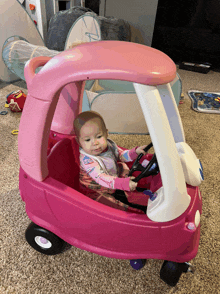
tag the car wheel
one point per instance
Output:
(137, 264)
(171, 271)
(44, 241)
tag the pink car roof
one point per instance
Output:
(115, 60)
(61, 83)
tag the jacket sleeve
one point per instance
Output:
(127, 155)
(94, 170)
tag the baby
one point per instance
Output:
(102, 164)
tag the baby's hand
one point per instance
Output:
(125, 173)
(123, 169)
(140, 150)
(132, 185)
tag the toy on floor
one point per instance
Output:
(181, 98)
(16, 100)
(3, 112)
(61, 213)
(14, 132)
(208, 102)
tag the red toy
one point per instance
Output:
(16, 100)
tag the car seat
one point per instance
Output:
(62, 163)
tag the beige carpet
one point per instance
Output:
(25, 271)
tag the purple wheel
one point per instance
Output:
(137, 264)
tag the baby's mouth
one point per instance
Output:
(98, 149)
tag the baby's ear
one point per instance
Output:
(106, 133)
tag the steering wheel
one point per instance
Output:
(151, 169)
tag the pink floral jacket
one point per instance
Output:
(102, 174)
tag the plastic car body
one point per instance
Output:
(48, 154)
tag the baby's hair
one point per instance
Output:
(84, 117)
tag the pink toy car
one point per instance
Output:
(61, 213)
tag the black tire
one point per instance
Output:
(44, 241)
(171, 271)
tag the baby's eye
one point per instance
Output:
(87, 140)
(99, 136)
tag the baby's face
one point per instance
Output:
(93, 139)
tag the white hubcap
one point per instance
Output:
(43, 242)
